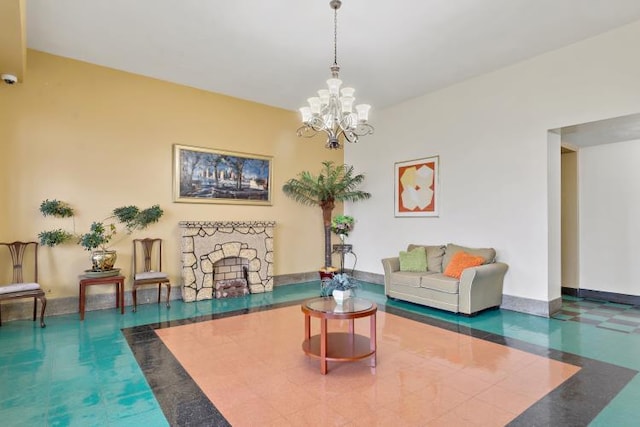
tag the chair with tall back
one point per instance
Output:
(147, 268)
(19, 288)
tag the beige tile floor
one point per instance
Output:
(253, 369)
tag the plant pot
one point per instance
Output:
(341, 296)
(103, 260)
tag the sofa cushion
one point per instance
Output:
(440, 282)
(413, 260)
(407, 278)
(488, 254)
(434, 257)
(460, 261)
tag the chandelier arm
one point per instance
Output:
(350, 136)
(306, 132)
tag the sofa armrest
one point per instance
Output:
(481, 287)
(390, 265)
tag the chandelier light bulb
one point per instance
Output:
(363, 112)
(306, 114)
(347, 103)
(324, 96)
(347, 91)
(314, 104)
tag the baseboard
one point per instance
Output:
(23, 309)
(365, 276)
(569, 291)
(290, 279)
(602, 295)
(531, 306)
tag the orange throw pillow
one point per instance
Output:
(460, 261)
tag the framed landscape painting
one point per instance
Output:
(417, 187)
(203, 175)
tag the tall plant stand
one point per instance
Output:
(345, 249)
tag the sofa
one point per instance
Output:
(452, 277)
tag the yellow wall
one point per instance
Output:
(99, 138)
(13, 52)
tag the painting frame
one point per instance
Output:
(207, 175)
(411, 199)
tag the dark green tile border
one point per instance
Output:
(575, 402)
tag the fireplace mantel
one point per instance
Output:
(203, 243)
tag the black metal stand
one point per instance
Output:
(344, 249)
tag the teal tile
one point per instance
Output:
(73, 372)
(623, 409)
(25, 416)
(12, 397)
(150, 418)
(628, 318)
(617, 305)
(115, 391)
(617, 327)
(72, 399)
(562, 317)
(594, 317)
(574, 309)
(127, 406)
(85, 417)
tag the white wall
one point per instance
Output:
(610, 217)
(491, 135)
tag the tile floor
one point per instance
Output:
(251, 367)
(113, 370)
(603, 314)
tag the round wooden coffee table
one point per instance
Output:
(339, 346)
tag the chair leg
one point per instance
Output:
(35, 306)
(168, 294)
(134, 294)
(0, 314)
(43, 303)
(159, 291)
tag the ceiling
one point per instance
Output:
(278, 52)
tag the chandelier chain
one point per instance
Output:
(335, 36)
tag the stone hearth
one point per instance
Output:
(205, 243)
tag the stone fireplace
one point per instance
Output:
(225, 252)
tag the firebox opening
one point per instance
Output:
(231, 277)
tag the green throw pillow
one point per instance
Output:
(413, 260)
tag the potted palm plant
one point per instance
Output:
(334, 183)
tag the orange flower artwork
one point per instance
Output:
(417, 187)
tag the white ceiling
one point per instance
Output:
(278, 52)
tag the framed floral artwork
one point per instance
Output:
(417, 187)
(203, 175)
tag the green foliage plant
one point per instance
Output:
(101, 232)
(341, 282)
(56, 209)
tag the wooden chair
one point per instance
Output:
(18, 288)
(147, 268)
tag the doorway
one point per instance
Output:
(569, 220)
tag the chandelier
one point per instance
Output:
(332, 111)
